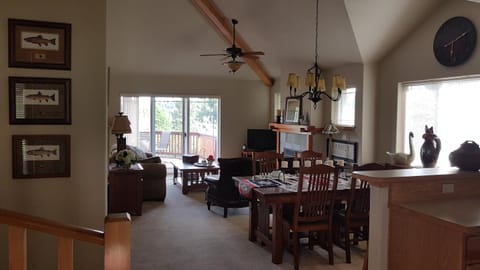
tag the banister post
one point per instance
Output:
(117, 242)
(17, 248)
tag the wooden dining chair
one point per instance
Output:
(309, 158)
(266, 162)
(313, 209)
(351, 224)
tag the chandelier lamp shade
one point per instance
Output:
(314, 81)
(121, 125)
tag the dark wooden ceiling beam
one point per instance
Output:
(223, 27)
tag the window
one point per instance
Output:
(173, 126)
(450, 106)
(343, 111)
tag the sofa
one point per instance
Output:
(154, 175)
(154, 179)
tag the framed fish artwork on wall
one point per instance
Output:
(39, 44)
(35, 100)
(41, 156)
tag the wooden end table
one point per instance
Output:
(125, 189)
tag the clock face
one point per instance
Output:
(455, 41)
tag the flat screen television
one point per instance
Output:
(261, 139)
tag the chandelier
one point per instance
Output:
(313, 80)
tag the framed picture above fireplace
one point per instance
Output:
(293, 110)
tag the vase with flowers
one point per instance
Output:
(125, 158)
(210, 160)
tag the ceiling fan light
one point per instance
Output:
(234, 65)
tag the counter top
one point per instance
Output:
(464, 212)
(385, 177)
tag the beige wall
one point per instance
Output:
(79, 199)
(412, 60)
(244, 104)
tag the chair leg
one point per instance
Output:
(311, 239)
(225, 212)
(347, 245)
(330, 246)
(209, 203)
(348, 258)
(296, 250)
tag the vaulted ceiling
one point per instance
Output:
(166, 37)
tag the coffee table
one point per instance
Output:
(192, 175)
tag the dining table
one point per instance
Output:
(266, 199)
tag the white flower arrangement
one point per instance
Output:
(125, 158)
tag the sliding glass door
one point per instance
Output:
(173, 126)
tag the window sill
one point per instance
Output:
(345, 128)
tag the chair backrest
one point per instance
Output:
(266, 162)
(164, 141)
(309, 158)
(314, 203)
(358, 204)
(234, 167)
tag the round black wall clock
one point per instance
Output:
(455, 41)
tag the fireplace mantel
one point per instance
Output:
(295, 129)
(300, 129)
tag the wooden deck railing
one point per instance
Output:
(200, 144)
(115, 239)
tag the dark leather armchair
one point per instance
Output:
(222, 191)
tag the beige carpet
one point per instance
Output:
(182, 234)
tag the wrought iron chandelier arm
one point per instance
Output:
(331, 97)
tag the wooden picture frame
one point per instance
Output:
(39, 100)
(39, 44)
(41, 156)
(293, 110)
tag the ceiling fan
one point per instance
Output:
(235, 52)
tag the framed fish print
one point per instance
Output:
(38, 44)
(41, 156)
(35, 100)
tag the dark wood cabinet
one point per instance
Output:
(125, 190)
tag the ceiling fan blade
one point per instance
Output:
(253, 53)
(215, 54)
(225, 58)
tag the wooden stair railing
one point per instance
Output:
(115, 239)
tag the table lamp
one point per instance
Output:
(121, 125)
(329, 130)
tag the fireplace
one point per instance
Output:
(291, 143)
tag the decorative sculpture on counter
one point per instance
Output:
(467, 157)
(403, 158)
(430, 148)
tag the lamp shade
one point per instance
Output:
(234, 65)
(121, 124)
(309, 79)
(330, 129)
(292, 80)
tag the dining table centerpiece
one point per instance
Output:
(210, 160)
